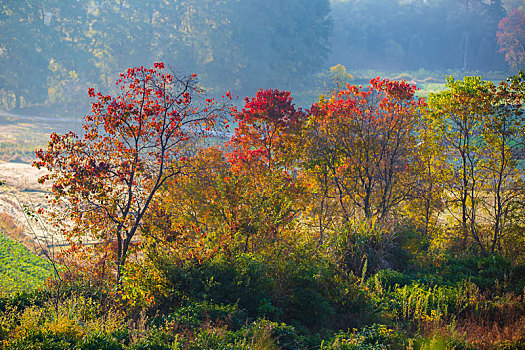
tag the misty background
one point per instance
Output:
(51, 51)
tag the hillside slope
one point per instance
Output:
(19, 268)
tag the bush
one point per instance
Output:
(42, 340)
(370, 338)
(280, 335)
(301, 289)
(485, 272)
(196, 314)
(243, 281)
(157, 339)
(387, 279)
(24, 299)
(450, 342)
(364, 247)
(100, 341)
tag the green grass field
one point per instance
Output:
(19, 268)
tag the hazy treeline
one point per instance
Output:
(50, 46)
(430, 34)
(51, 51)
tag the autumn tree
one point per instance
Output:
(241, 198)
(511, 38)
(194, 215)
(363, 140)
(457, 115)
(427, 204)
(105, 180)
(503, 134)
(480, 129)
(219, 210)
(266, 128)
(263, 152)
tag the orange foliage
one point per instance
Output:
(105, 181)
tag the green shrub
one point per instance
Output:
(374, 337)
(100, 341)
(378, 334)
(264, 334)
(364, 247)
(212, 338)
(42, 340)
(243, 281)
(449, 342)
(387, 279)
(157, 339)
(516, 279)
(196, 314)
(422, 304)
(301, 290)
(486, 272)
(285, 336)
(24, 299)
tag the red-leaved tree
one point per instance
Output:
(105, 181)
(262, 157)
(266, 128)
(511, 38)
(363, 141)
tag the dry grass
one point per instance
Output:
(10, 228)
(496, 323)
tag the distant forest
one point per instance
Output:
(51, 51)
